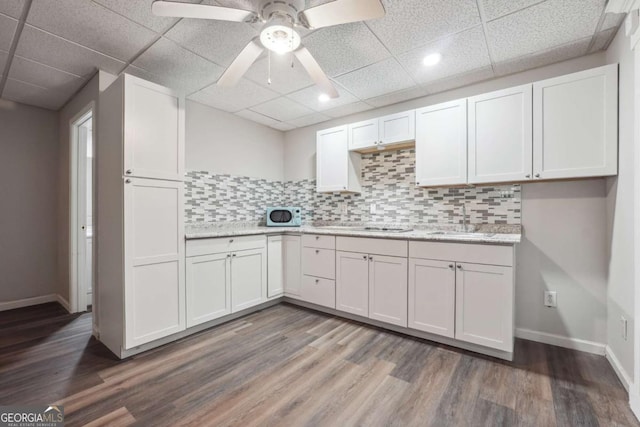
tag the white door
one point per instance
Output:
(432, 296)
(248, 279)
(388, 289)
(153, 131)
(500, 136)
(575, 124)
(332, 159)
(154, 260)
(397, 128)
(292, 248)
(484, 305)
(441, 144)
(352, 283)
(275, 266)
(363, 135)
(208, 288)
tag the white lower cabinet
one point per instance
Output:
(432, 296)
(208, 288)
(484, 305)
(317, 290)
(388, 289)
(352, 283)
(248, 278)
(275, 266)
(291, 249)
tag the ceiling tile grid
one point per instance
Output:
(233, 99)
(282, 109)
(12, 8)
(8, 27)
(377, 79)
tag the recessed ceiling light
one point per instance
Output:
(324, 97)
(432, 59)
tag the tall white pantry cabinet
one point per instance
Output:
(140, 162)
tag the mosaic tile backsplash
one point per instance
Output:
(388, 180)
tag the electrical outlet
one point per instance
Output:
(550, 299)
(509, 194)
(372, 208)
(343, 208)
(623, 325)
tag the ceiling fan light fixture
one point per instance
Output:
(432, 59)
(280, 38)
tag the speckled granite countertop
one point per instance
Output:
(492, 234)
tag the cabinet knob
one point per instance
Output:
(230, 240)
(317, 280)
(228, 255)
(451, 266)
(317, 237)
(127, 181)
(459, 267)
(128, 172)
(233, 255)
(364, 257)
(527, 176)
(317, 251)
(537, 175)
(370, 258)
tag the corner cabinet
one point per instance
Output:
(337, 170)
(382, 132)
(575, 125)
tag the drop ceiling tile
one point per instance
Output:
(217, 41)
(7, 30)
(309, 97)
(140, 11)
(91, 25)
(344, 48)
(461, 80)
(542, 27)
(461, 52)
(282, 109)
(395, 97)
(257, 117)
(377, 79)
(13, 8)
(44, 76)
(188, 71)
(284, 78)
(56, 52)
(602, 40)
(283, 126)
(496, 8)
(346, 110)
(309, 120)
(539, 59)
(3, 59)
(239, 97)
(29, 94)
(409, 24)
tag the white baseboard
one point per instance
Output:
(27, 302)
(562, 341)
(63, 302)
(618, 369)
(634, 402)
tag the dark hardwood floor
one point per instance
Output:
(290, 366)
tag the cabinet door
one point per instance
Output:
(352, 283)
(153, 131)
(484, 305)
(388, 289)
(576, 124)
(441, 144)
(248, 279)
(397, 128)
(432, 296)
(500, 136)
(275, 266)
(332, 158)
(363, 135)
(208, 288)
(154, 260)
(292, 247)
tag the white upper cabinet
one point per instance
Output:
(383, 131)
(337, 170)
(576, 124)
(500, 136)
(441, 144)
(153, 131)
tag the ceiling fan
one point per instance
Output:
(278, 34)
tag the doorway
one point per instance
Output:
(82, 267)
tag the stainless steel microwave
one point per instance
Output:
(284, 216)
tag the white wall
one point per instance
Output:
(570, 215)
(621, 201)
(28, 195)
(224, 143)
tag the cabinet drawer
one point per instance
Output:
(319, 262)
(224, 244)
(319, 291)
(462, 252)
(370, 246)
(318, 241)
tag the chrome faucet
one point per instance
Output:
(464, 217)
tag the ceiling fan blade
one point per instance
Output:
(202, 11)
(316, 73)
(241, 64)
(342, 12)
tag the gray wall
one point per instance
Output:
(575, 210)
(29, 193)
